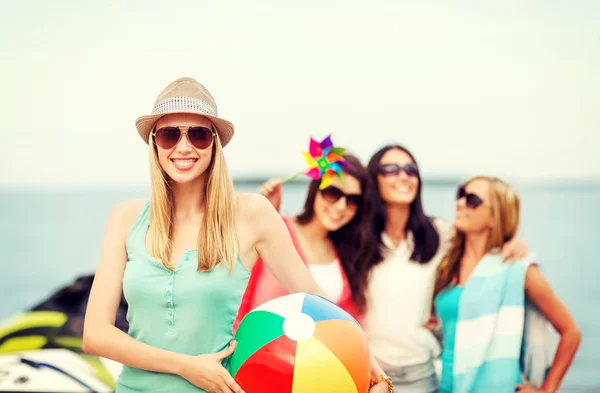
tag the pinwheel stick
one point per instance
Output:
(290, 177)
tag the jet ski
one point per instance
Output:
(41, 348)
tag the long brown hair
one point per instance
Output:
(505, 205)
(355, 243)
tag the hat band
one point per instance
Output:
(184, 104)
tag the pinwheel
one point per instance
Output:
(324, 161)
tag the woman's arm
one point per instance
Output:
(276, 249)
(272, 191)
(102, 338)
(539, 291)
(378, 375)
(514, 249)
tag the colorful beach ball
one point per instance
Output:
(300, 343)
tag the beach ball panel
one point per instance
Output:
(321, 309)
(284, 306)
(318, 370)
(271, 369)
(299, 327)
(355, 357)
(257, 329)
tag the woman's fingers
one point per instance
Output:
(231, 384)
(268, 187)
(227, 351)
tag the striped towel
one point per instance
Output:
(490, 329)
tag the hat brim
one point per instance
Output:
(145, 124)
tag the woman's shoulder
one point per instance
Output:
(255, 211)
(248, 204)
(525, 264)
(131, 207)
(252, 206)
(444, 228)
(126, 212)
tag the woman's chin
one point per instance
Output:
(334, 225)
(401, 200)
(459, 224)
(183, 178)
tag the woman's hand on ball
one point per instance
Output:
(207, 372)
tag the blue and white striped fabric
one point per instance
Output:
(489, 332)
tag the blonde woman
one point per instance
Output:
(183, 258)
(482, 302)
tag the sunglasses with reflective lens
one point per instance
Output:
(333, 194)
(394, 169)
(200, 137)
(472, 200)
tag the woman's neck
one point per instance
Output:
(476, 246)
(314, 242)
(313, 230)
(395, 223)
(188, 200)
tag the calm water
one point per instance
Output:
(48, 238)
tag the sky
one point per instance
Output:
(507, 88)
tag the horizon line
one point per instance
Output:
(259, 178)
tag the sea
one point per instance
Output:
(50, 236)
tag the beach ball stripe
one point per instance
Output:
(318, 369)
(278, 368)
(317, 309)
(284, 306)
(294, 344)
(261, 328)
(328, 332)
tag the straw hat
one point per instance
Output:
(185, 95)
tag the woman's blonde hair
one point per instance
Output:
(505, 206)
(217, 239)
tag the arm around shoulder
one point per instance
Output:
(445, 232)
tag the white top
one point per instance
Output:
(330, 279)
(399, 299)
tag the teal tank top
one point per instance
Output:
(183, 310)
(446, 306)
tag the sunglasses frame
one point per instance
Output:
(411, 169)
(357, 198)
(182, 133)
(475, 200)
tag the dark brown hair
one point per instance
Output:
(354, 242)
(427, 239)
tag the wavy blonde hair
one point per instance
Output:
(505, 206)
(217, 239)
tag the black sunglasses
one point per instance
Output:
(395, 169)
(199, 137)
(472, 200)
(333, 194)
